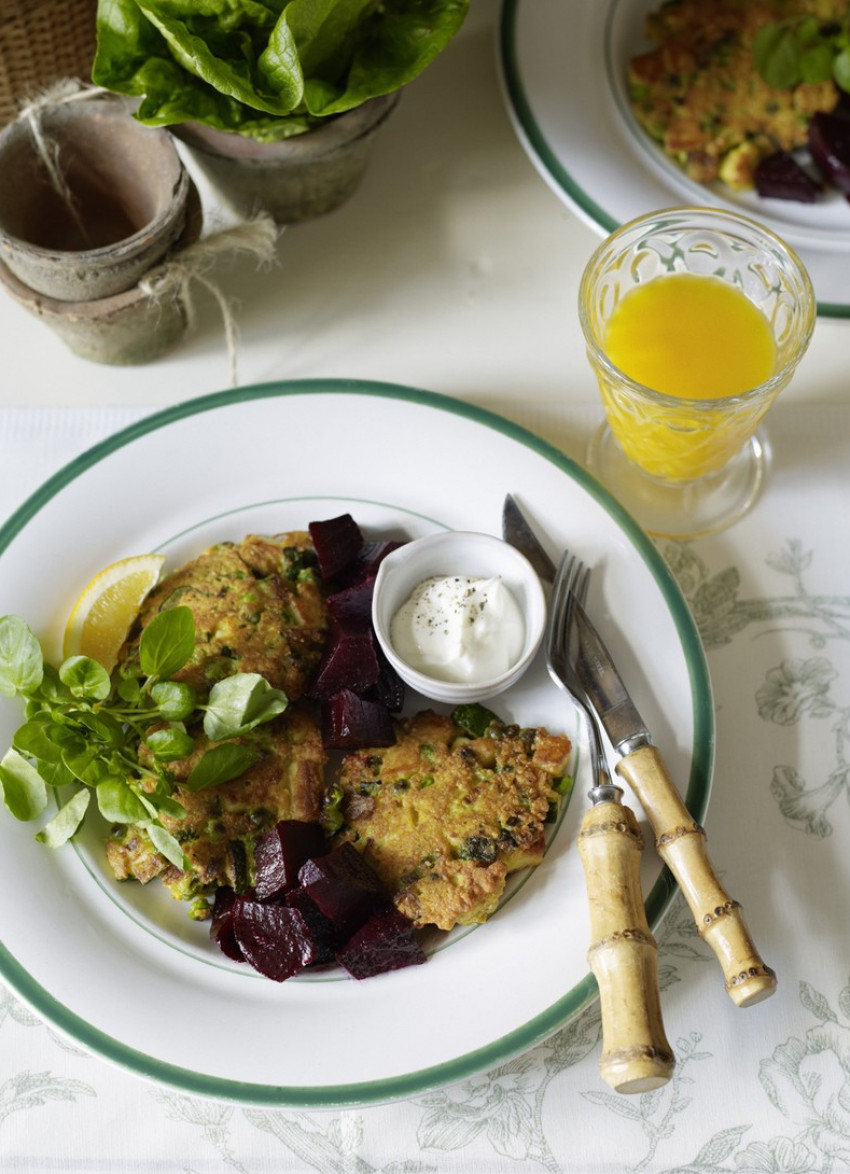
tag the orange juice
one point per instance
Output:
(695, 338)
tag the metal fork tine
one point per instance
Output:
(571, 583)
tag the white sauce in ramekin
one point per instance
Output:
(459, 628)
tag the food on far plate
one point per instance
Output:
(447, 812)
(700, 94)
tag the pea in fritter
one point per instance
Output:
(444, 817)
(222, 823)
(258, 607)
(699, 95)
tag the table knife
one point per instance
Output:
(680, 841)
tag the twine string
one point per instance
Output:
(174, 276)
(31, 112)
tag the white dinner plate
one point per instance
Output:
(120, 968)
(564, 68)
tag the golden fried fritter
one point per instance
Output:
(699, 95)
(223, 822)
(258, 608)
(443, 817)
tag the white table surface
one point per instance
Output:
(455, 269)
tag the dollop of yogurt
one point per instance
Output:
(459, 628)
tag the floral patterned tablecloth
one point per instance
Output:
(766, 1089)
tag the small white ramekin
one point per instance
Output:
(458, 552)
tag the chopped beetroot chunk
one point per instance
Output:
(221, 924)
(281, 852)
(350, 722)
(353, 605)
(385, 942)
(326, 937)
(348, 662)
(274, 939)
(363, 569)
(337, 542)
(344, 886)
(781, 177)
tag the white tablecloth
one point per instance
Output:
(766, 1089)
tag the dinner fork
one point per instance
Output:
(623, 955)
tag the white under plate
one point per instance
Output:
(564, 75)
(120, 968)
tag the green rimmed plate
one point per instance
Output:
(120, 968)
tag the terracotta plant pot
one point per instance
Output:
(129, 189)
(124, 329)
(295, 179)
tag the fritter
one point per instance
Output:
(223, 822)
(444, 817)
(699, 95)
(258, 608)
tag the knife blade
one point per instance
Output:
(680, 840)
(516, 531)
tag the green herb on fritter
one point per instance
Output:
(115, 737)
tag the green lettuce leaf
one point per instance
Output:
(265, 68)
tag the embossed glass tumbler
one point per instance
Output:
(693, 371)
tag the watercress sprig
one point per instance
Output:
(802, 49)
(85, 730)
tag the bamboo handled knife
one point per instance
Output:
(680, 841)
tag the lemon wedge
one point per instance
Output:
(101, 617)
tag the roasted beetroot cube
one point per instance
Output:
(348, 662)
(352, 607)
(275, 940)
(221, 923)
(337, 542)
(343, 886)
(364, 568)
(781, 177)
(326, 937)
(829, 146)
(389, 689)
(280, 853)
(350, 722)
(387, 941)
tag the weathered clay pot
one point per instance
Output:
(127, 328)
(129, 189)
(295, 179)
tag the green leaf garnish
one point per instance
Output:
(24, 790)
(84, 730)
(66, 821)
(220, 764)
(170, 744)
(239, 703)
(84, 677)
(118, 803)
(802, 49)
(21, 660)
(167, 643)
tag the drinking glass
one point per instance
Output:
(685, 467)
